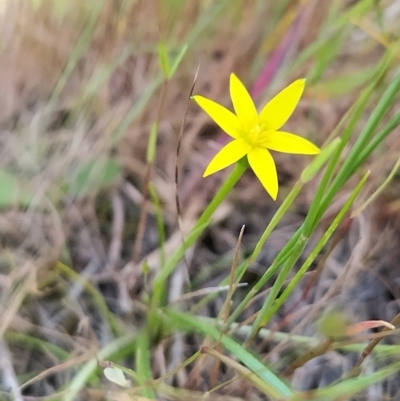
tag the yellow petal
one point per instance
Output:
(243, 103)
(222, 116)
(289, 143)
(228, 155)
(263, 165)
(275, 113)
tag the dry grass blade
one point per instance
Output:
(240, 369)
(205, 291)
(355, 371)
(73, 362)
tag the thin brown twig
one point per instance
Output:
(370, 347)
(204, 291)
(232, 285)
(69, 364)
(195, 372)
(178, 148)
(320, 349)
(329, 344)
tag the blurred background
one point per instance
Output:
(88, 214)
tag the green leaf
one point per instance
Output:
(359, 9)
(143, 363)
(316, 251)
(11, 192)
(116, 376)
(151, 147)
(347, 388)
(9, 189)
(163, 57)
(95, 175)
(167, 69)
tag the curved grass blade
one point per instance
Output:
(273, 386)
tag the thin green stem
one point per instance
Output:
(378, 138)
(379, 190)
(276, 219)
(143, 363)
(197, 230)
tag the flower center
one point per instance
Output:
(256, 134)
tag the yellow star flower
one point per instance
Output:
(254, 133)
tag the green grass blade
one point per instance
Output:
(315, 166)
(261, 319)
(164, 63)
(270, 306)
(351, 162)
(243, 330)
(315, 252)
(143, 365)
(348, 387)
(317, 207)
(276, 387)
(178, 60)
(151, 146)
(307, 174)
(393, 123)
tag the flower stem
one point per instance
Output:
(196, 231)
